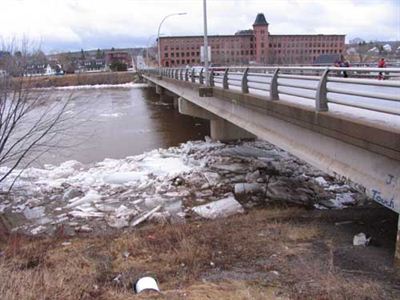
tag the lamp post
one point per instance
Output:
(205, 43)
(147, 48)
(158, 36)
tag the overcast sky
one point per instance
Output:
(90, 24)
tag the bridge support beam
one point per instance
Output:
(165, 95)
(220, 129)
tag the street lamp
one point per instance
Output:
(158, 36)
(148, 46)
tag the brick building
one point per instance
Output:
(255, 45)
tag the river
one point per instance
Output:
(119, 121)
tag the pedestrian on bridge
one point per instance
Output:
(345, 64)
(381, 64)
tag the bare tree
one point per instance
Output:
(30, 122)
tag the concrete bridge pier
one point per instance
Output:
(165, 95)
(220, 129)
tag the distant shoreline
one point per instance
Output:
(80, 79)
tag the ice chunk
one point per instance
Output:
(91, 196)
(34, 213)
(2, 208)
(118, 223)
(321, 181)
(123, 177)
(145, 216)
(219, 209)
(212, 178)
(84, 214)
(37, 230)
(248, 188)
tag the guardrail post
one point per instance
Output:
(186, 74)
(201, 79)
(192, 75)
(212, 83)
(245, 85)
(225, 83)
(273, 86)
(176, 74)
(181, 74)
(321, 101)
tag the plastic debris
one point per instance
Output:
(361, 239)
(146, 283)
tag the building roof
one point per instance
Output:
(260, 20)
(245, 32)
(201, 36)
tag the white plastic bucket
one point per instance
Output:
(146, 283)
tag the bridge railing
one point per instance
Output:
(374, 89)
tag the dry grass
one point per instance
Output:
(249, 247)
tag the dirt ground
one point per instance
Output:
(266, 253)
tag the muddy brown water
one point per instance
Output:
(117, 122)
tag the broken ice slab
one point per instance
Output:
(34, 213)
(118, 223)
(231, 167)
(321, 181)
(38, 230)
(219, 209)
(82, 214)
(248, 151)
(212, 178)
(123, 177)
(248, 188)
(91, 196)
(145, 216)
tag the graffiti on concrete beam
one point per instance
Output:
(377, 196)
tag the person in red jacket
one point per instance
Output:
(381, 64)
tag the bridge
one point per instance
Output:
(343, 121)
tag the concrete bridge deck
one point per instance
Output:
(366, 152)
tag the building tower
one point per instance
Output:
(261, 35)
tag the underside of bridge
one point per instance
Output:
(365, 153)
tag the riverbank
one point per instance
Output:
(267, 253)
(81, 79)
(208, 220)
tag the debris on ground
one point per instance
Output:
(146, 283)
(361, 239)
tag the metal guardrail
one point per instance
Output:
(320, 84)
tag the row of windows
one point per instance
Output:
(215, 52)
(297, 51)
(251, 52)
(310, 45)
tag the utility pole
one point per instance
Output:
(206, 44)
